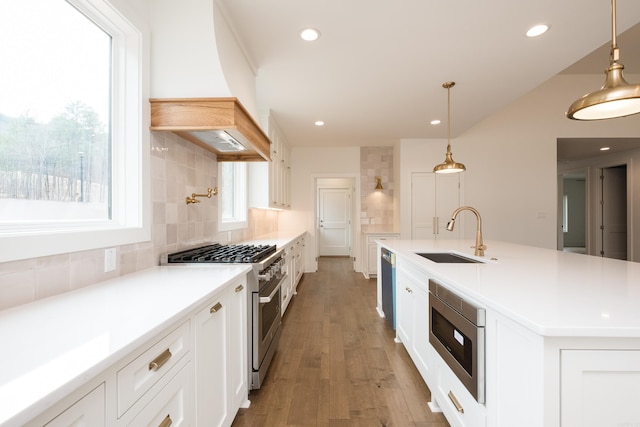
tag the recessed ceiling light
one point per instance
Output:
(309, 34)
(537, 30)
(319, 123)
(605, 148)
(435, 122)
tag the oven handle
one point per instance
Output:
(265, 300)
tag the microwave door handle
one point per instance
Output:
(265, 300)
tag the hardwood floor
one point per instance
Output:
(337, 364)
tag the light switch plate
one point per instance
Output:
(110, 259)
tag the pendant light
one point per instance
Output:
(616, 98)
(449, 165)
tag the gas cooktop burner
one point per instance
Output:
(218, 253)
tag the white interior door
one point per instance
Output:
(334, 221)
(614, 212)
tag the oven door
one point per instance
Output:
(460, 343)
(266, 319)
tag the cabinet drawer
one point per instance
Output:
(460, 408)
(87, 412)
(371, 239)
(169, 406)
(144, 371)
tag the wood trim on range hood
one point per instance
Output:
(183, 115)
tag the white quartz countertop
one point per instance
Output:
(552, 293)
(52, 346)
(278, 238)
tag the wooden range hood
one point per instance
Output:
(195, 119)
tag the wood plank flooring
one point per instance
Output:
(337, 364)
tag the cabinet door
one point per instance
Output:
(211, 364)
(404, 309)
(420, 329)
(237, 349)
(87, 412)
(433, 200)
(600, 388)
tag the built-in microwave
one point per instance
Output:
(456, 332)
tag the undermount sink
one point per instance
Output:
(448, 257)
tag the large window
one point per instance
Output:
(232, 208)
(71, 163)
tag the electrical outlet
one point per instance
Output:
(110, 259)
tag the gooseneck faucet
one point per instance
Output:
(480, 247)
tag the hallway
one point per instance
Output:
(337, 364)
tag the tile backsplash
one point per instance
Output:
(376, 206)
(178, 169)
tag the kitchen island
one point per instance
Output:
(562, 333)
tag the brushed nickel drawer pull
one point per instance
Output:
(166, 422)
(455, 402)
(239, 288)
(160, 360)
(215, 308)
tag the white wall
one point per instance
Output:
(511, 175)
(309, 164)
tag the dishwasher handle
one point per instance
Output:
(388, 256)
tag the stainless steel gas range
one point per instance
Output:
(263, 282)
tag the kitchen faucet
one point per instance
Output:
(480, 247)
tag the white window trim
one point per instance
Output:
(241, 205)
(131, 221)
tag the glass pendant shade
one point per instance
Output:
(449, 165)
(616, 98)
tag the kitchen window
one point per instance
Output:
(232, 206)
(72, 171)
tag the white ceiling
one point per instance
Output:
(376, 73)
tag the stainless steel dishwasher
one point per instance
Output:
(388, 267)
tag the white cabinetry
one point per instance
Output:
(600, 388)
(370, 252)
(270, 182)
(220, 357)
(294, 267)
(89, 411)
(194, 372)
(434, 197)
(458, 405)
(412, 317)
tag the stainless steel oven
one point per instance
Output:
(267, 320)
(263, 305)
(456, 332)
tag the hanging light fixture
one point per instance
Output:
(616, 98)
(449, 165)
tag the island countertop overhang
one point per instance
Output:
(550, 292)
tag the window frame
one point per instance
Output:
(130, 221)
(240, 187)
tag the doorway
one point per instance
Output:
(612, 220)
(334, 224)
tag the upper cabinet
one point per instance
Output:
(219, 125)
(270, 183)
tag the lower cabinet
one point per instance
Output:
(294, 267)
(89, 411)
(220, 357)
(370, 252)
(599, 388)
(193, 374)
(171, 405)
(412, 318)
(458, 405)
